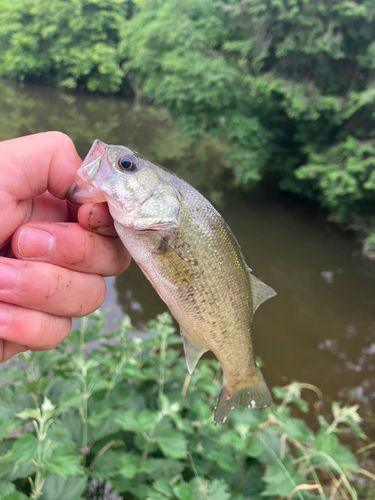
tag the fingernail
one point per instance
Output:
(35, 243)
(4, 316)
(8, 277)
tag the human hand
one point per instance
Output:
(59, 264)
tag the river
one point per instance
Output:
(320, 328)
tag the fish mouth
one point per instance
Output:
(82, 192)
(85, 188)
(72, 194)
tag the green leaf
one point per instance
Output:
(297, 429)
(165, 468)
(24, 449)
(70, 400)
(98, 415)
(254, 448)
(347, 415)
(164, 488)
(97, 381)
(271, 443)
(105, 427)
(135, 421)
(6, 488)
(20, 471)
(106, 465)
(332, 455)
(128, 465)
(6, 425)
(58, 488)
(73, 423)
(245, 420)
(281, 478)
(12, 374)
(184, 491)
(37, 387)
(172, 443)
(62, 389)
(152, 495)
(13, 402)
(29, 413)
(64, 461)
(217, 489)
(147, 466)
(223, 456)
(252, 482)
(15, 495)
(60, 435)
(231, 438)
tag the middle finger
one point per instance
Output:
(49, 288)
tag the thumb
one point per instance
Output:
(29, 166)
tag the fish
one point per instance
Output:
(192, 259)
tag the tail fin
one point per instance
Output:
(254, 395)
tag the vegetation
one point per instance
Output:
(95, 416)
(289, 84)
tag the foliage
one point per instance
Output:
(369, 245)
(66, 43)
(289, 84)
(116, 411)
(343, 176)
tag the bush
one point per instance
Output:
(64, 43)
(118, 412)
(369, 246)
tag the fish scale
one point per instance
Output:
(192, 259)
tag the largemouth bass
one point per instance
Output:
(192, 259)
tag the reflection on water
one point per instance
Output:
(29, 109)
(321, 326)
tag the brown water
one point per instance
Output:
(321, 326)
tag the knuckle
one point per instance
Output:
(120, 258)
(50, 331)
(2, 351)
(93, 300)
(55, 282)
(88, 249)
(83, 255)
(56, 137)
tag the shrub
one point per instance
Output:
(113, 411)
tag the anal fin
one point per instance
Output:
(193, 352)
(260, 292)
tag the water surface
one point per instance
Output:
(321, 326)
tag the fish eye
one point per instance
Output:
(127, 163)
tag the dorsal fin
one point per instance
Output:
(193, 352)
(260, 292)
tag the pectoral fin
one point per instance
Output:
(260, 292)
(175, 269)
(193, 352)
